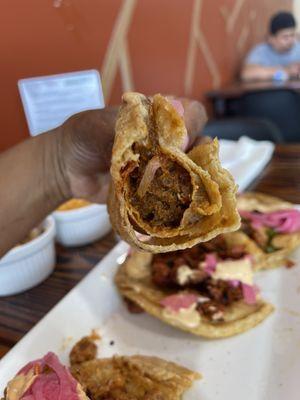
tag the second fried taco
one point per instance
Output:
(273, 225)
(207, 290)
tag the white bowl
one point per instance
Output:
(29, 264)
(81, 226)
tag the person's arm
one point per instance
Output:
(71, 161)
(256, 67)
(41, 173)
(29, 189)
(253, 72)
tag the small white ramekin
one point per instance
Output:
(27, 265)
(81, 226)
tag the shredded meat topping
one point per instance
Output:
(132, 307)
(220, 291)
(215, 294)
(165, 266)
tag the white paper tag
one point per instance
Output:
(49, 100)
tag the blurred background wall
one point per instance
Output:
(184, 47)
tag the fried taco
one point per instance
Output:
(45, 378)
(129, 377)
(162, 199)
(207, 290)
(273, 225)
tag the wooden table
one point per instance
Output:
(18, 314)
(220, 97)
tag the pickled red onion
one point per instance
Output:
(210, 263)
(249, 293)
(178, 106)
(148, 176)
(56, 384)
(234, 282)
(175, 302)
(282, 221)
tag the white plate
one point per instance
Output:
(245, 158)
(261, 364)
(81, 226)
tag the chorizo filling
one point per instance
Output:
(159, 188)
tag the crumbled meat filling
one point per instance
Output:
(168, 195)
(216, 294)
(220, 292)
(84, 350)
(211, 310)
(132, 307)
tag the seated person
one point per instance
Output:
(279, 57)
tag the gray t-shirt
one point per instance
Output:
(263, 54)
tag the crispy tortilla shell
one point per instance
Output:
(134, 377)
(194, 200)
(250, 201)
(133, 280)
